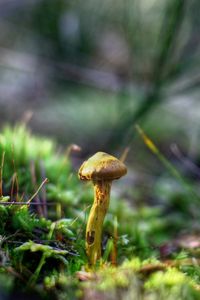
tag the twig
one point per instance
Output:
(43, 190)
(33, 177)
(25, 203)
(41, 185)
(124, 154)
(12, 186)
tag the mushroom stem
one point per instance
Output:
(96, 218)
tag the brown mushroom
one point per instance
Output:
(102, 169)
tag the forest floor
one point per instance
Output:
(150, 250)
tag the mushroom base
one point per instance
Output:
(95, 220)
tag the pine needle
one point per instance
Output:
(168, 165)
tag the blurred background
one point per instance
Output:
(86, 73)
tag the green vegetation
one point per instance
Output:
(42, 238)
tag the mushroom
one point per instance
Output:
(101, 169)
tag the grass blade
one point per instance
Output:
(167, 164)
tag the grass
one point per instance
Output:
(42, 248)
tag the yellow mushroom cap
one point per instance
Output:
(102, 166)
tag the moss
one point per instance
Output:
(169, 278)
(43, 252)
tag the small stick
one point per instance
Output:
(43, 190)
(25, 203)
(33, 177)
(13, 186)
(41, 185)
(124, 154)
